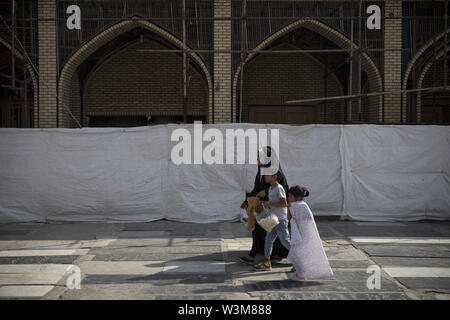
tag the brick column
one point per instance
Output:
(47, 64)
(393, 61)
(222, 63)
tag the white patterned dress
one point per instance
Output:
(307, 253)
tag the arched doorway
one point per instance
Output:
(434, 107)
(426, 69)
(114, 80)
(272, 79)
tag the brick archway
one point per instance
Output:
(411, 64)
(327, 32)
(70, 67)
(418, 55)
(33, 77)
(420, 83)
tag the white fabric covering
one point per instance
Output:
(126, 175)
(307, 253)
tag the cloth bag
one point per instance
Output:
(267, 220)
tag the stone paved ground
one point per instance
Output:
(173, 260)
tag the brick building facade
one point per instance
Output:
(125, 66)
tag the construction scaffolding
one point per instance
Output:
(350, 53)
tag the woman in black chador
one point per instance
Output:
(259, 234)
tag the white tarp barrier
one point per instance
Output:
(396, 172)
(366, 172)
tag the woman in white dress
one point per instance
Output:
(306, 253)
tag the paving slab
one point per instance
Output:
(158, 256)
(425, 283)
(400, 240)
(21, 226)
(7, 244)
(34, 268)
(30, 278)
(98, 243)
(332, 296)
(412, 262)
(351, 254)
(356, 275)
(203, 267)
(155, 249)
(144, 234)
(121, 267)
(317, 285)
(417, 272)
(250, 275)
(159, 279)
(39, 260)
(37, 253)
(13, 234)
(24, 291)
(43, 244)
(381, 224)
(142, 291)
(125, 243)
(388, 250)
(163, 242)
(130, 291)
(349, 263)
(399, 232)
(75, 231)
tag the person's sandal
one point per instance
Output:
(246, 260)
(263, 266)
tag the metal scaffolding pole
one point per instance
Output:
(325, 106)
(445, 44)
(434, 58)
(25, 96)
(243, 56)
(350, 80)
(272, 18)
(13, 41)
(268, 51)
(372, 94)
(184, 65)
(359, 59)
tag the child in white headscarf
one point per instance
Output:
(306, 252)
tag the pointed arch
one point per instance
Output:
(328, 33)
(71, 65)
(420, 82)
(419, 54)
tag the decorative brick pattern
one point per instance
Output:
(275, 79)
(393, 61)
(133, 82)
(222, 63)
(47, 64)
